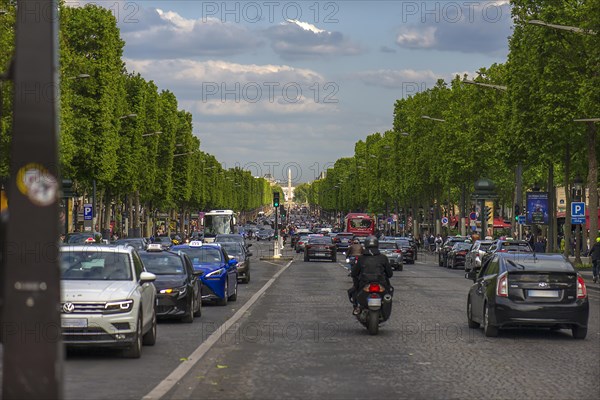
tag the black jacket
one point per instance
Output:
(372, 266)
(595, 252)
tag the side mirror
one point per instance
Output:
(232, 262)
(147, 277)
(198, 272)
(249, 254)
(472, 275)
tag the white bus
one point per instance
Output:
(218, 222)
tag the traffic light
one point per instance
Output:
(487, 212)
(517, 212)
(282, 210)
(275, 199)
(67, 188)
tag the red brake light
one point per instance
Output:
(502, 286)
(503, 251)
(462, 253)
(581, 289)
(375, 287)
(398, 251)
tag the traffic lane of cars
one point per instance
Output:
(104, 373)
(301, 328)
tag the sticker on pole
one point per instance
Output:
(38, 184)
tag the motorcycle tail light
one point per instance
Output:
(374, 288)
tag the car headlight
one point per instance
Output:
(114, 307)
(180, 291)
(216, 273)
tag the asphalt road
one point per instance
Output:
(299, 340)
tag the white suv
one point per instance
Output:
(107, 298)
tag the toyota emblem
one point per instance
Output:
(68, 307)
(543, 284)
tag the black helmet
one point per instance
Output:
(371, 242)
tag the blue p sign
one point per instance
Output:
(578, 213)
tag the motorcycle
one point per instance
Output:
(375, 305)
(350, 261)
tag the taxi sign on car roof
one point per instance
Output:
(195, 243)
(154, 247)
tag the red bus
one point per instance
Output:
(360, 224)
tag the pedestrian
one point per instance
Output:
(595, 254)
(539, 246)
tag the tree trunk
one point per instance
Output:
(567, 225)
(130, 216)
(593, 182)
(136, 213)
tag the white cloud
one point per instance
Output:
(166, 34)
(471, 27)
(396, 79)
(297, 40)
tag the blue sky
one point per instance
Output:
(278, 84)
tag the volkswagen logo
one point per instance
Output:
(68, 307)
(543, 284)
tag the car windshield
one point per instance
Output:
(138, 244)
(484, 246)
(320, 240)
(163, 263)
(233, 248)
(387, 246)
(403, 243)
(462, 246)
(229, 239)
(200, 255)
(95, 265)
(516, 247)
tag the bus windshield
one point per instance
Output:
(218, 224)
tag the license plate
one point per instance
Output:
(74, 323)
(374, 302)
(543, 293)
(320, 255)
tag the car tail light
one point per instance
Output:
(374, 288)
(398, 251)
(581, 289)
(502, 285)
(503, 251)
(462, 253)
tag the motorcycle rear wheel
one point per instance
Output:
(373, 322)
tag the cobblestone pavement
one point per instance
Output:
(301, 341)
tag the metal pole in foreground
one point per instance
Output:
(32, 347)
(276, 252)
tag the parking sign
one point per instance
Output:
(87, 212)
(578, 213)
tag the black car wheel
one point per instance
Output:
(488, 329)
(149, 338)
(198, 312)
(579, 332)
(189, 316)
(233, 297)
(135, 349)
(472, 324)
(223, 301)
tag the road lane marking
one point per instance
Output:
(178, 373)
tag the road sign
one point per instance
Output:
(473, 216)
(87, 212)
(578, 213)
(445, 220)
(521, 219)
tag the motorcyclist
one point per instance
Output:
(371, 266)
(355, 248)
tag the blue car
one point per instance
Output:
(219, 271)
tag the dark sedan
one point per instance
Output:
(446, 247)
(343, 240)
(409, 253)
(456, 256)
(177, 285)
(137, 243)
(242, 255)
(265, 234)
(535, 290)
(320, 247)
